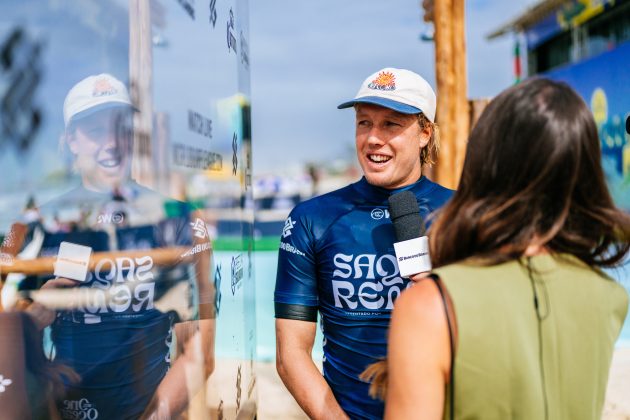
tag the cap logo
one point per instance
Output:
(384, 81)
(103, 87)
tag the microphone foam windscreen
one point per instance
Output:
(405, 214)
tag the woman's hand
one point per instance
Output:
(41, 315)
(59, 282)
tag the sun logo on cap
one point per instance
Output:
(102, 87)
(384, 81)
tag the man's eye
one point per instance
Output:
(392, 124)
(363, 123)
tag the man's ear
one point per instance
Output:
(71, 142)
(425, 136)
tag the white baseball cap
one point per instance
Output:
(398, 89)
(95, 93)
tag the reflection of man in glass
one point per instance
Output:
(146, 271)
(97, 114)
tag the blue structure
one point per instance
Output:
(586, 43)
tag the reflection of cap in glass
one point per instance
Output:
(95, 93)
(398, 89)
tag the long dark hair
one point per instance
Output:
(532, 174)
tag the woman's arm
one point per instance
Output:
(418, 355)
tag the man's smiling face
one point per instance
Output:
(101, 144)
(388, 146)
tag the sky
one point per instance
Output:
(309, 56)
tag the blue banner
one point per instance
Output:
(604, 83)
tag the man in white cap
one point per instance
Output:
(97, 114)
(119, 341)
(336, 253)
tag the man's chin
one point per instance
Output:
(378, 180)
(386, 181)
(107, 181)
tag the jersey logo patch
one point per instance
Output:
(366, 281)
(378, 214)
(290, 248)
(199, 228)
(79, 409)
(288, 225)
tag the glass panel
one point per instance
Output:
(126, 210)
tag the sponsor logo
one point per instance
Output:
(288, 225)
(378, 214)
(244, 51)
(189, 7)
(238, 388)
(20, 116)
(411, 257)
(116, 218)
(102, 87)
(4, 383)
(237, 272)
(384, 81)
(119, 285)
(72, 261)
(217, 288)
(79, 409)
(193, 157)
(197, 249)
(231, 39)
(199, 124)
(200, 229)
(234, 154)
(381, 283)
(213, 13)
(290, 248)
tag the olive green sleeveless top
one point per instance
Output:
(516, 361)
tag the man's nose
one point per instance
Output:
(375, 137)
(109, 143)
(109, 140)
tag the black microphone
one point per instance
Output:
(412, 245)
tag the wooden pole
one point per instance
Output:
(141, 80)
(461, 114)
(445, 79)
(452, 102)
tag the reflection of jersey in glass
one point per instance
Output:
(119, 342)
(336, 254)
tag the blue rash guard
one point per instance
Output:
(337, 256)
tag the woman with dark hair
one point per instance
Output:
(519, 320)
